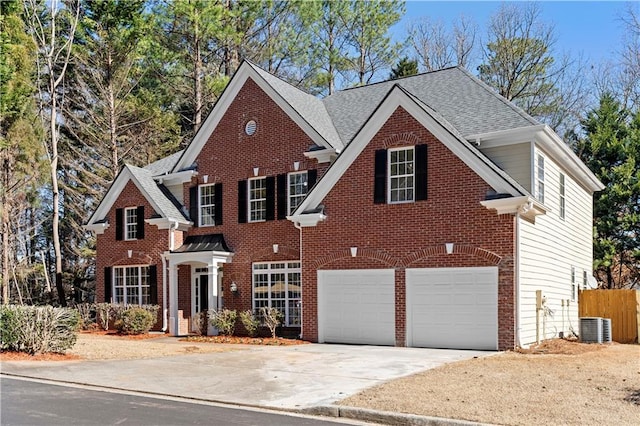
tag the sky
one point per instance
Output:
(590, 28)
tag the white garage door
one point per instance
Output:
(356, 306)
(452, 308)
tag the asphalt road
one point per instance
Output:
(25, 402)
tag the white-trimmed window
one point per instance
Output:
(131, 285)
(206, 196)
(131, 223)
(298, 186)
(257, 199)
(540, 178)
(401, 175)
(278, 285)
(562, 189)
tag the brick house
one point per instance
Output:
(426, 211)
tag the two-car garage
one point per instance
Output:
(445, 307)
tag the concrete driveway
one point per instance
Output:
(289, 377)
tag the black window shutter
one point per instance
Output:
(140, 227)
(217, 199)
(242, 201)
(421, 172)
(312, 176)
(282, 196)
(119, 224)
(193, 205)
(270, 186)
(107, 284)
(380, 179)
(153, 285)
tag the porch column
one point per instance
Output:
(212, 294)
(174, 321)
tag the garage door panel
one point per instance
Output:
(452, 307)
(357, 306)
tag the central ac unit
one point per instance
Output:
(591, 330)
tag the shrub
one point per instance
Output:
(272, 318)
(103, 314)
(135, 320)
(38, 329)
(250, 322)
(200, 321)
(87, 315)
(9, 328)
(224, 320)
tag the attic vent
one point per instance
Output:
(250, 127)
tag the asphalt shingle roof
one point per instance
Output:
(463, 100)
(310, 108)
(164, 165)
(166, 202)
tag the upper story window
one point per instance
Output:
(207, 205)
(257, 199)
(401, 175)
(130, 223)
(562, 207)
(298, 187)
(540, 178)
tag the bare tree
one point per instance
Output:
(438, 47)
(52, 24)
(519, 64)
(630, 58)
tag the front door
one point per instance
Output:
(204, 297)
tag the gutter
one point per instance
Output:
(299, 228)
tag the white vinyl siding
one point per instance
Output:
(514, 159)
(131, 223)
(207, 205)
(548, 250)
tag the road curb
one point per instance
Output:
(384, 417)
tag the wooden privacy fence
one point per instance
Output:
(622, 306)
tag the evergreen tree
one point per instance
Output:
(404, 68)
(611, 149)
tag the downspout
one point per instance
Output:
(299, 228)
(165, 310)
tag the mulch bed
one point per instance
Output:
(268, 341)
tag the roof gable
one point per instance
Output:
(454, 93)
(161, 200)
(432, 121)
(305, 110)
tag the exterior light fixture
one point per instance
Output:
(233, 287)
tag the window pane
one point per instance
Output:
(207, 205)
(131, 223)
(278, 285)
(257, 199)
(401, 175)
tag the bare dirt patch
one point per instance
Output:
(558, 382)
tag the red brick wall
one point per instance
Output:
(411, 234)
(146, 251)
(230, 156)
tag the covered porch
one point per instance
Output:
(204, 256)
